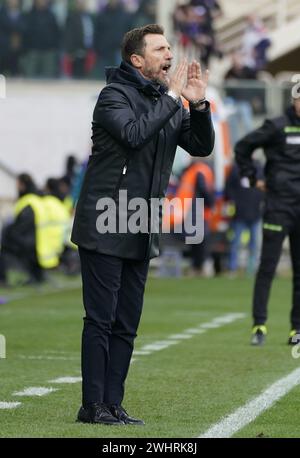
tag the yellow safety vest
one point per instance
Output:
(47, 257)
(68, 203)
(58, 223)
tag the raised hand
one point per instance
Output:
(178, 78)
(196, 82)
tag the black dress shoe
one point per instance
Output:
(120, 413)
(97, 413)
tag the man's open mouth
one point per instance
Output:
(166, 68)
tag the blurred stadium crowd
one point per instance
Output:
(50, 39)
(194, 26)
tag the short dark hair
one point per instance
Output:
(28, 184)
(134, 40)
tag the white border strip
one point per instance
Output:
(252, 409)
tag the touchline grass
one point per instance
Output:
(180, 391)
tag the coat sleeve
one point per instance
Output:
(259, 138)
(197, 134)
(114, 114)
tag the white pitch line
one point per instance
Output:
(174, 339)
(9, 405)
(180, 336)
(194, 331)
(35, 391)
(226, 319)
(252, 409)
(160, 345)
(60, 352)
(148, 349)
(50, 358)
(212, 325)
(66, 380)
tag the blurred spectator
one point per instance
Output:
(239, 98)
(213, 10)
(196, 182)
(210, 10)
(245, 210)
(42, 40)
(60, 221)
(59, 205)
(11, 37)
(24, 238)
(53, 188)
(187, 22)
(193, 23)
(111, 25)
(78, 40)
(180, 16)
(255, 43)
(146, 13)
(70, 183)
(239, 70)
(204, 189)
(72, 168)
(130, 6)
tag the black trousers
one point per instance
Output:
(273, 237)
(113, 291)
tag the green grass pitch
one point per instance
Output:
(179, 391)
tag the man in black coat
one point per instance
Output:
(280, 138)
(138, 122)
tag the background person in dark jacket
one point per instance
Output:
(246, 216)
(110, 26)
(280, 138)
(11, 37)
(138, 123)
(42, 40)
(79, 38)
(18, 239)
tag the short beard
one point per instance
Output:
(155, 80)
(163, 83)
